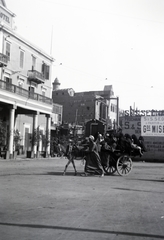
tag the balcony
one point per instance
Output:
(3, 60)
(24, 93)
(35, 76)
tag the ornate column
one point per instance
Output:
(11, 131)
(35, 134)
(48, 134)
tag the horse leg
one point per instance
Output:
(66, 166)
(73, 163)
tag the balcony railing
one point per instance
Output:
(24, 93)
(35, 76)
(3, 60)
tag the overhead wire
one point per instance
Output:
(102, 78)
(104, 12)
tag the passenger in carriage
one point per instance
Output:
(111, 140)
(132, 144)
(93, 162)
(135, 139)
(142, 144)
(99, 141)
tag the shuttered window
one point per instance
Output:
(45, 70)
(21, 59)
(8, 50)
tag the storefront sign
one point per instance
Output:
(5, 17)
(131, 125)
(152, 126)
(136, 112)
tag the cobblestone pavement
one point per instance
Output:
(38, 203)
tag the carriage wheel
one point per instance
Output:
(111, 168)
(124, 165)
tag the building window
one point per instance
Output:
(21, 59)
(8, 79)
(8, 50)
(113, 108)
(45, 70)
(33, 62)
(31, 91)
(8, 82)
(59, 117)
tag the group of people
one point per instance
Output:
(113, 141)
(96, 150)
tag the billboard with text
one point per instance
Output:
(152, 126)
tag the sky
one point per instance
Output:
(100, 42)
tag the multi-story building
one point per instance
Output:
(25, 83)
(83, 106)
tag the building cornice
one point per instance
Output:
(27, 43)
(7, 10)
(3, 2)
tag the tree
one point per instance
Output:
(36, 137)
(3, 132)
(17, 139)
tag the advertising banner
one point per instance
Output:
(131, 125)
(152, 126)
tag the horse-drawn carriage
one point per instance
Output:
(116, 153)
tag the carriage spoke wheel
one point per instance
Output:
(111, 166)
(110, 170)
(124, 165)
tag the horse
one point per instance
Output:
(74, 152)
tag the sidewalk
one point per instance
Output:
(135, 159)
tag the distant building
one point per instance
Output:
(81, 107)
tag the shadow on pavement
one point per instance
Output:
(152, 180)
(42, 174)
(79, 174)
(61, 173)
(34, 174)
(148, 180)
(81, 230)
(135, 190)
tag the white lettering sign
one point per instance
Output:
(5, 17)
(152, 126)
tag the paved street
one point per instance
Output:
(37, 202)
